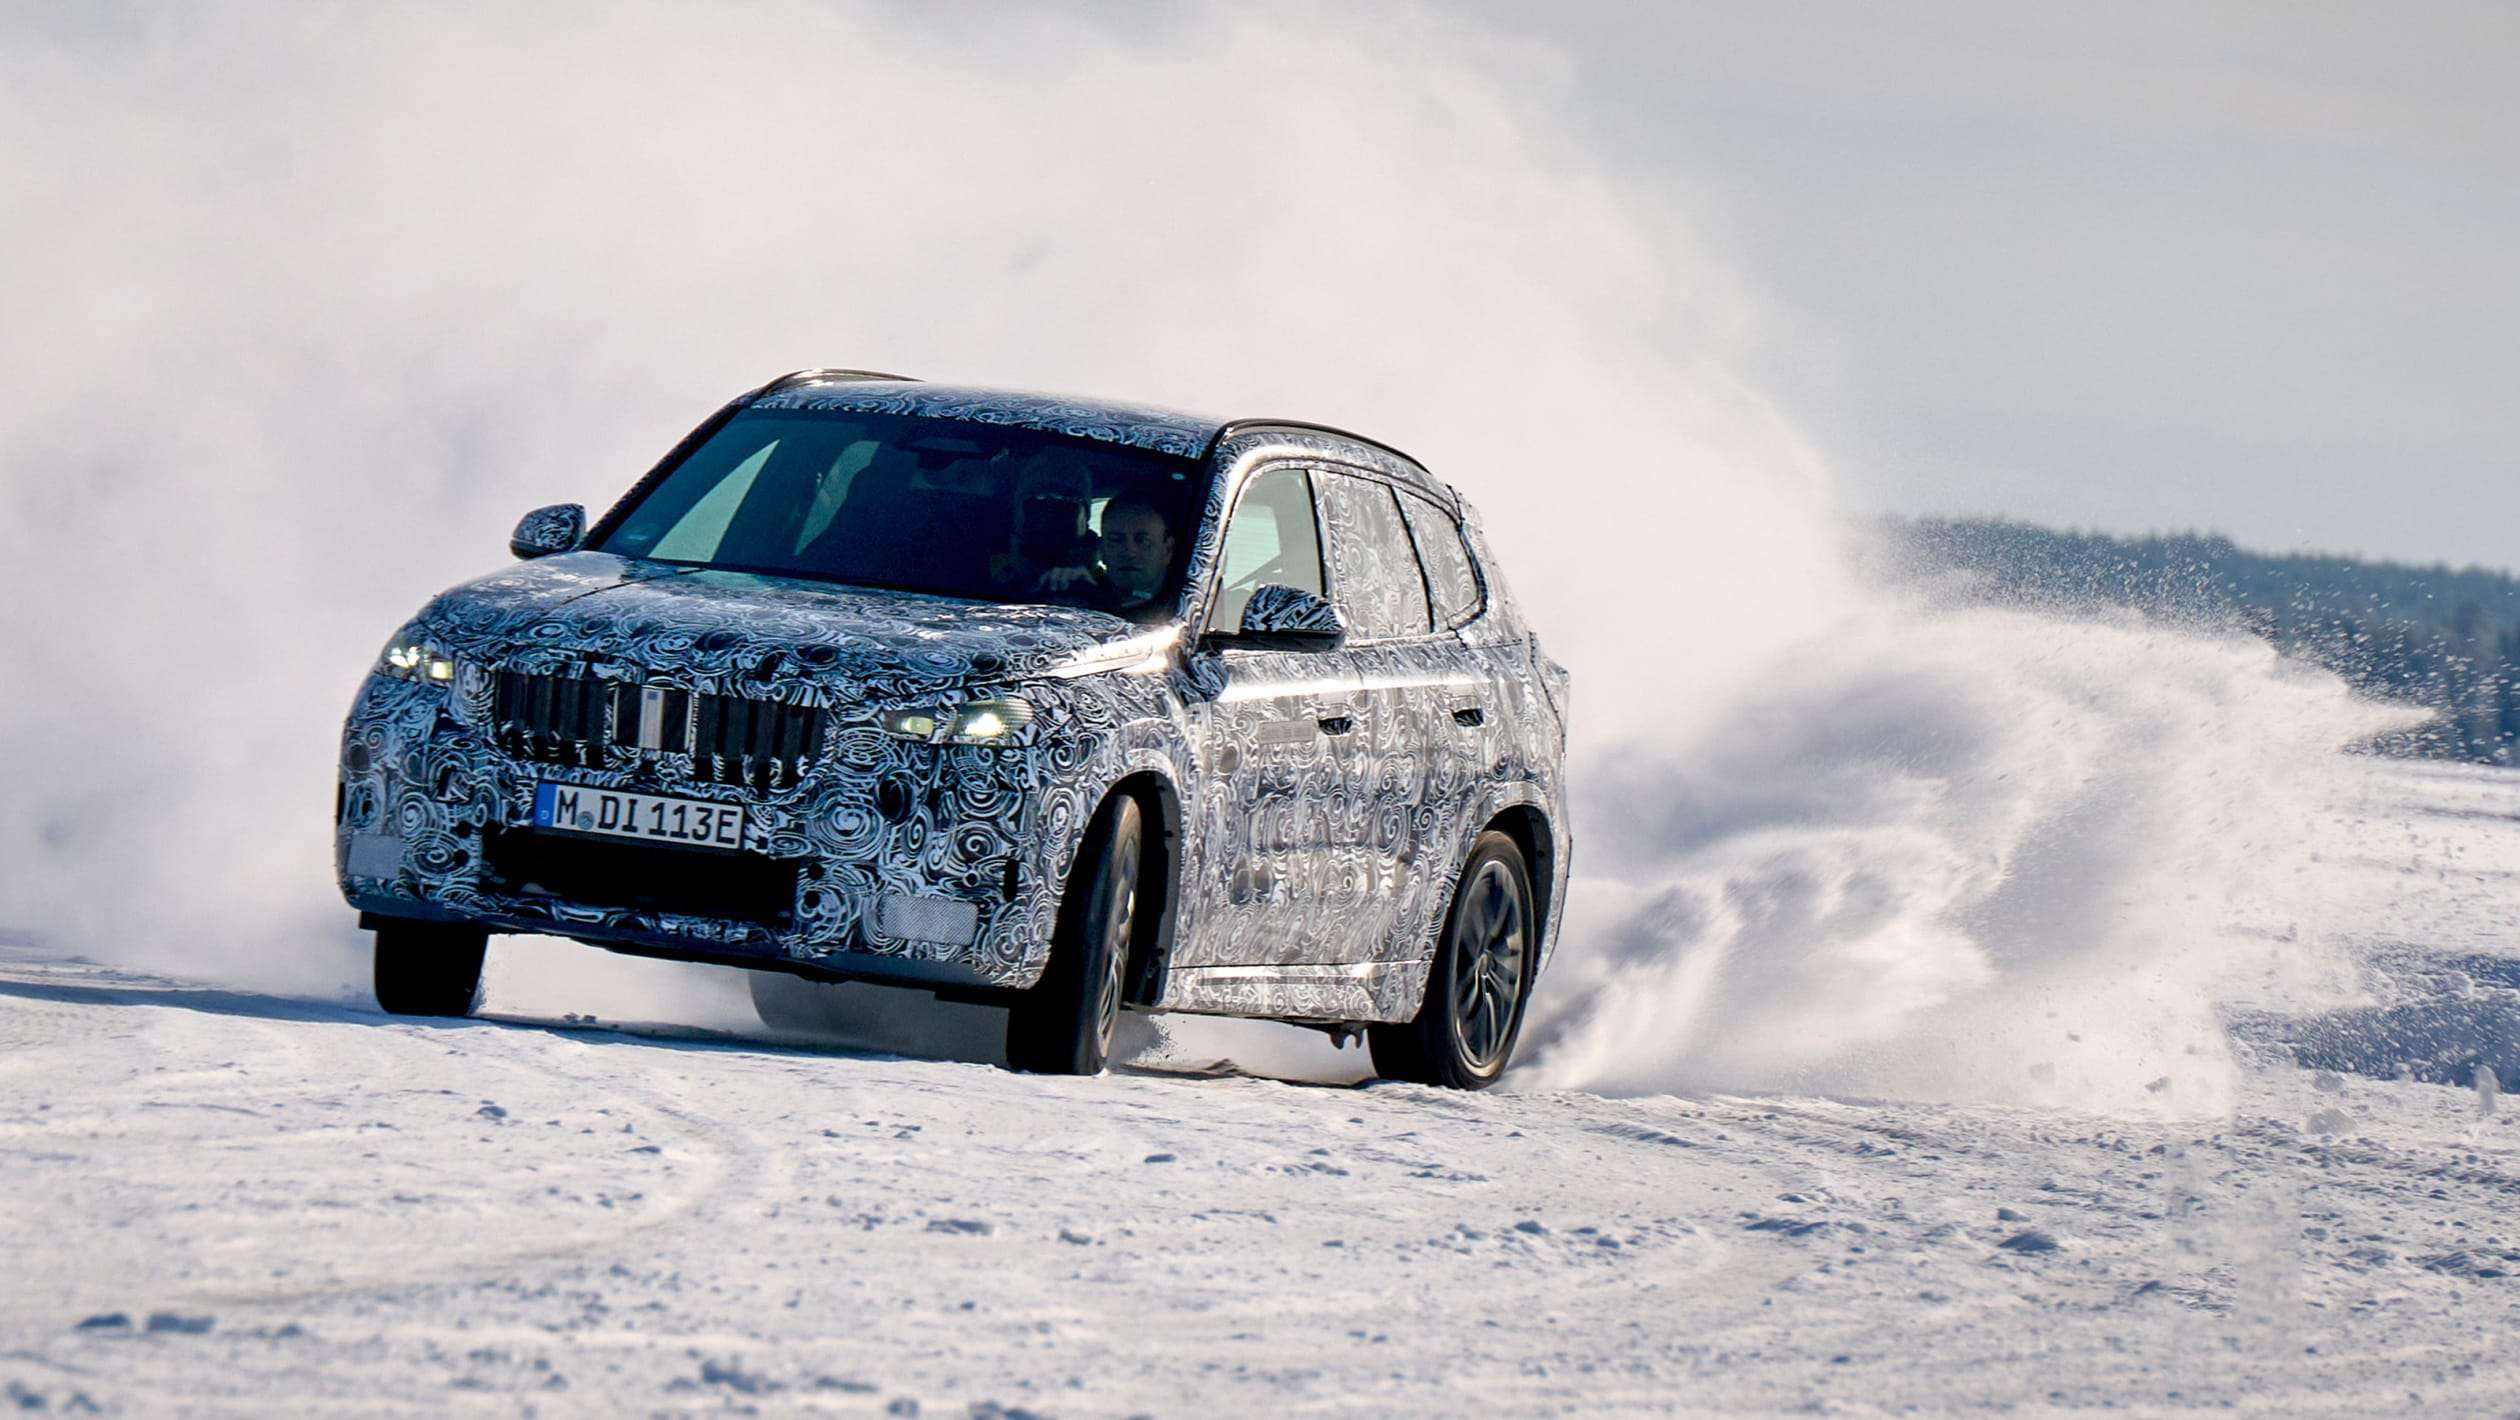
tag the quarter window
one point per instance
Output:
(1376, 580)
(1450, 579)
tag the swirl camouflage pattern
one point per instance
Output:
(1312, 804)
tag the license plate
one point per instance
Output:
(649, 818)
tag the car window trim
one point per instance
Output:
(1469, 557)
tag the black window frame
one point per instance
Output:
(1469, 557)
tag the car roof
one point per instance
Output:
(1142, 426)
(1139, 426)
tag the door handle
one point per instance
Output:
(1336, 724)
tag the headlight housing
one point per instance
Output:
(972, 722)
(412, 655)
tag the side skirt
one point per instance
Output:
(1367, 991)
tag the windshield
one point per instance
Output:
(949, 507)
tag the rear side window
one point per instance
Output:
(1272, 540)
(1374, 577)
(1450, 579)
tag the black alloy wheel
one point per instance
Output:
(429, 968)
(1065, 1023)
(1465, 1029)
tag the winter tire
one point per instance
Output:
(428, 968)
(1064, 1024)
(1465, 1029)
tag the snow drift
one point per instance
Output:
(319, 302)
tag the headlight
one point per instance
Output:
(411, 656)
(974, 722)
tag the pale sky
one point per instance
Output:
(2247, 268)
(2240, 268)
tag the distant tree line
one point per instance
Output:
(2447, 640)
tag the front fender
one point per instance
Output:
(1151, 747)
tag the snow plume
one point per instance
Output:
(307, 305)
(1966, 854)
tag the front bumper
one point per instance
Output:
(886, 860)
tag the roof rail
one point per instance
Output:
(802, 377)
(1231, 427)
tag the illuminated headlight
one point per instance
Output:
(410, 656)
(974, 722)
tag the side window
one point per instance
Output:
(1374, 571)
(1272, 540)
(1449, 576)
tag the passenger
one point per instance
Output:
(1048, 531)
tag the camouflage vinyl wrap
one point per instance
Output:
(1319, 804)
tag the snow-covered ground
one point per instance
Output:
(215, 1201)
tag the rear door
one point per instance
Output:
(1462, 714)
(1384, 821)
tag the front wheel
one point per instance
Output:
(429, 968)
(1465, 1029)
(1064, 1024)
(791, 1003)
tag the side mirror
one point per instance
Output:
(544, 531)
(1290, 619)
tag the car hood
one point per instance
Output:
(699, 624)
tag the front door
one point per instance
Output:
(1275, 731)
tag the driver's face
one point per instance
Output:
(1136, 549)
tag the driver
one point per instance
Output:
(1137, 556)
(1137, 550)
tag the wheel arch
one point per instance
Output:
(1159, 803)
(1529, 826)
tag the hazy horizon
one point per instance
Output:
(2234, 266)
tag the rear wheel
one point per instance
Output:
(429, 968)
(1064, 1024)
(1465, 1029)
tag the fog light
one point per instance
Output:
(928, 919)
(377, 857)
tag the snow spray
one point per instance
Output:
(276, 381)
(1965, 854)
